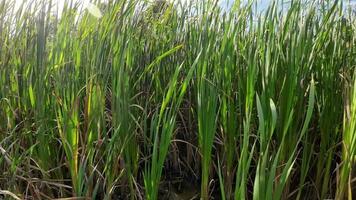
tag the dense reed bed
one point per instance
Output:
(139, 100)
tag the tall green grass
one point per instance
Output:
(148, 100)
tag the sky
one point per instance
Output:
(262, 4)
(59, 3)
(224, 3)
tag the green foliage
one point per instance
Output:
(138, 100)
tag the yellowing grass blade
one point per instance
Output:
(94, 10)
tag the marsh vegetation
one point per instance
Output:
(132, 99)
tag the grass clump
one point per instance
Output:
(160, 100)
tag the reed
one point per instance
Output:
(134, 99)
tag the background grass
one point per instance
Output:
(154, 100)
